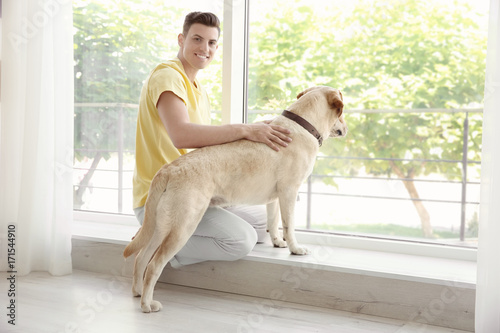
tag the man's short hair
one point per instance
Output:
(205, 18)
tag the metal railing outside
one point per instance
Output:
(120, 151)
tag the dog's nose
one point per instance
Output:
(339, 132)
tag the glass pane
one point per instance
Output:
(412, 77)
(116, 44)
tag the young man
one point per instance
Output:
(174, 116)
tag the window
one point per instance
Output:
(412, 78)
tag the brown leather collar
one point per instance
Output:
(304, 123)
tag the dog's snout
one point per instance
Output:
(339, 132)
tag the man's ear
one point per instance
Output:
(180, 40)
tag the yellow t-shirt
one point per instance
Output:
(153, 147)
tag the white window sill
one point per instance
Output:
(334, 256)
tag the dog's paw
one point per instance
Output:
(155, 306)
(299, 250)
(279, 243)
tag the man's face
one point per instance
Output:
(199, 46)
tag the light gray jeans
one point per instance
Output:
(223, 234)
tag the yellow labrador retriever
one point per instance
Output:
(241, 172)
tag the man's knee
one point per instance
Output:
(256, 216)
(244, 243)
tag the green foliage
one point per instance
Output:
(382, 55)
(415, 55)
(117, 43)
(277, 53)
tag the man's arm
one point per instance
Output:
(184, 134)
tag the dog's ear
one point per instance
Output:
(305, 92)
(335, 99)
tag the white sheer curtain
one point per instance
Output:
(36, 142)
(488, 275)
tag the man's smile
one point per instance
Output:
(201, 56)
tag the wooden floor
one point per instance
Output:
(89, 302)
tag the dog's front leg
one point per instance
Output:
(287, 208)
(273, 224)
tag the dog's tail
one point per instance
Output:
(158, 186)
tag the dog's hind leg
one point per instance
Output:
(180, 231)
(142, 260)
(273, 224)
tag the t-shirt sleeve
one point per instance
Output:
(167, 79)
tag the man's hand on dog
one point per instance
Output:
(272, 135)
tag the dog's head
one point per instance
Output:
(321, 98)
